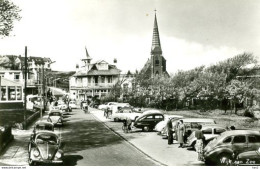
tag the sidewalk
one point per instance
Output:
(153, 145)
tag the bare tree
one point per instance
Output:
(9, 12)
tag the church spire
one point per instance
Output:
(156, 44)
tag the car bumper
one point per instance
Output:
(48, 161)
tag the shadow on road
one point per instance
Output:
(71, 160)
(88, 133)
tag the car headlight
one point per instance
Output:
(36, 153)
(58, 155)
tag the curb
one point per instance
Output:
(156, 161)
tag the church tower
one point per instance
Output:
(87, 60)
(158, 63)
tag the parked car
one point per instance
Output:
(151, 111)
(55, 116)
(124, 113)
(114, 108)
(210, 131)
(45, 148)
(191, 125)
(72, 104)
(162, 124)
(220, 151)
(63, 106)
(147, 122)
(106, 105)
(42, 126)
(248, 158)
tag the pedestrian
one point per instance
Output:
(129, 123)
(181, 133)
(199, 143)
(170, 131)
(176, 130)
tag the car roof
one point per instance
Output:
(197, 120)
(46, 132)
(43, 122)
(151, 114)
(239, 132)
(212, 126)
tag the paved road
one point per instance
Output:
(87, 142)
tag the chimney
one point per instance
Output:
(77, 67)
(115, 61)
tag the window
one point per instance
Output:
(227, 140)
(157, 62)
(11, 93)
(16, 77)
(18, 93)
(102, 79)
(219, 130)
(158, 117)
(207, 131)
(149, 117)
(239, 139)
(109, 79)
(89, 80)
(3, 93)
(254, 139)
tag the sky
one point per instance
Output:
(192, 32)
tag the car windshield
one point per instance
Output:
(44, 127)
(46, 138)
(54, 114)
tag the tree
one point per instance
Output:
(9, 12)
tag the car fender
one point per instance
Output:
(220, 150)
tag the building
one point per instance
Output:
(12, 68)
(156, 65)
(93, 80)
(11, 95)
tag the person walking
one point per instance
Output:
(181, 133)
(170, 132)
(199, 143)
(176, 127)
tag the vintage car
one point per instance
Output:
(191, 125)
(55, 116)
(151, 111)
(42, 126)
(45, 148)
(147, 122)
(124, 113)
(63, 106)
(210, 131)
(249, 158)
(162, 124)
(106, 105)
(221, 150)
(72, 104)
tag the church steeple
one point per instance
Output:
(156, 44)
(87, 60)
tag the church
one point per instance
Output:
(156, 65)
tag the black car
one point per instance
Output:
(147, 122)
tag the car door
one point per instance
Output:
(253, 142)
(157, 119)
(239, 144)
(148, 121)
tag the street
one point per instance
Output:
(89, 139)
(86, 142)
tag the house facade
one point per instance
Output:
(12, 68)
(93, 80)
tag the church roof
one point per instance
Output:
(156, 44)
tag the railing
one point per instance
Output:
(79, 85)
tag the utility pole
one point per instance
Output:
(43, 88)
(25, 86)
